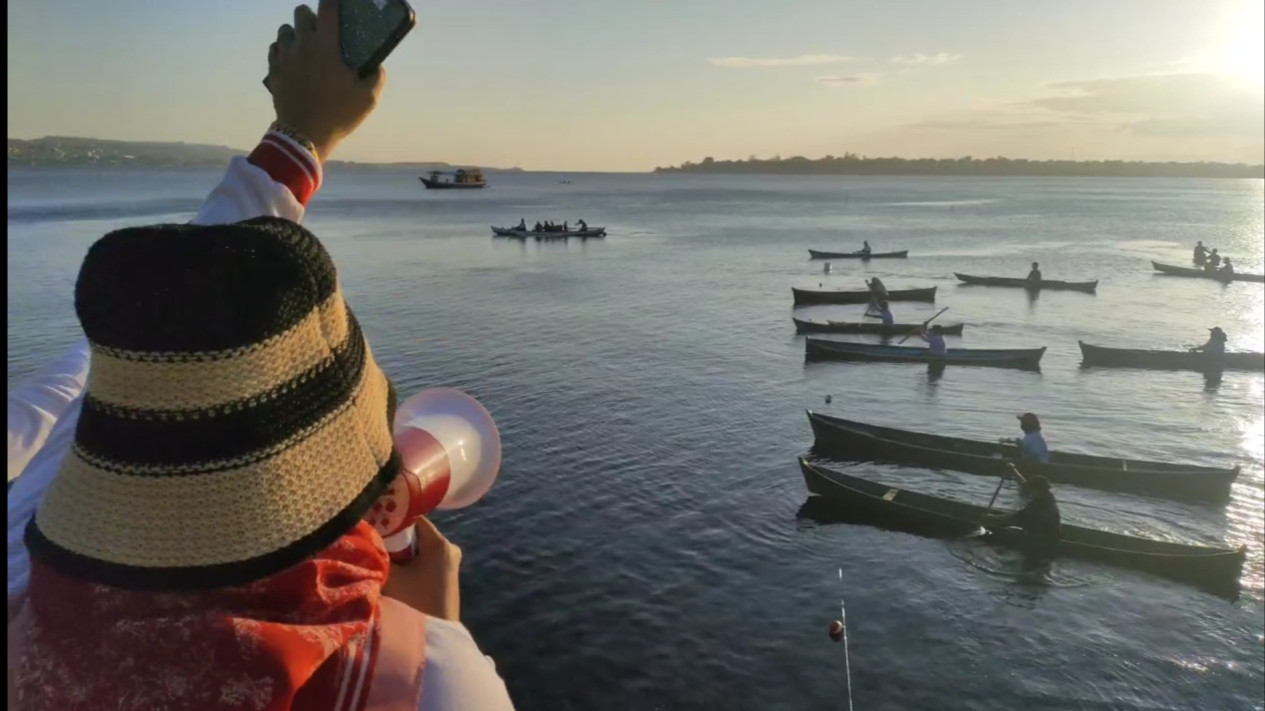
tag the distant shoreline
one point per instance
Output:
(853, 165)
(73, 152)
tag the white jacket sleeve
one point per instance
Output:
(276, 180)
(457, 675)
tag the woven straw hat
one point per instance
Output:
(234, 422)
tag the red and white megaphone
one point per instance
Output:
(451, 452)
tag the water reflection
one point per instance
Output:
(935, 371)
(1212, 380)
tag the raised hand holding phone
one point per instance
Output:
(369, 30)
(315, 92)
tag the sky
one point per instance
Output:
(606, 85)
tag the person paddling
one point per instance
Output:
(1214, 260)
(1039, 518)
(1227, 268)
(935, 340)
(885, 313)
(1034, 276)
(1032, 447)
(1201, 253)
(866, 248)
(1216, 343)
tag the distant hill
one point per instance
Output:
(852, 164)
(71, 151)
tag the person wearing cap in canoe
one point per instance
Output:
(1216, 343)
(1032, 447)
(934, 339)
(1039, 518)
(1226, 268)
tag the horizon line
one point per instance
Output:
(751, 159)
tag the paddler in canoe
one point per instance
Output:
(1039, 518)
(865, 249)
(1201, 253)
(1215, 345)
(1214, 261)
(885, 313)
(934, 339)
(1032, 447)
(1034, 276)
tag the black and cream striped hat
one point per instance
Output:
(234, 422)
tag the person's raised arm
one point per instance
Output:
(318, 103)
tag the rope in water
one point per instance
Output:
(847, 665)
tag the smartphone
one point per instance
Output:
(370, 29)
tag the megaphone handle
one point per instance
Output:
(402, 547)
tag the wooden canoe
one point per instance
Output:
(805, 297)
(1181, 482)
(817, 254)
(897, 329)
(1212, 568)
(1044, 284)
(514, 233)
(819, 349)
(1201, 274)
(1099, 356)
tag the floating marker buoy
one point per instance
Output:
(836, 630)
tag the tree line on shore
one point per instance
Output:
(853, 164)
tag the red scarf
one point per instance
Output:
(305, 638)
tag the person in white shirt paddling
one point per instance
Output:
(187, 532)
(934, 339)
(885, 313)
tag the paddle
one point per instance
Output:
(924, 325)
(983, 529)
(1018, 477)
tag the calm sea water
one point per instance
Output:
(642, 549)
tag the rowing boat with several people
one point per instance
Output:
(514, 233)
(1215, 275)
(805, 297)
(1043, 284)
(818, 254)
(896, 329)
(820, 349)
(1215, 569)
(1100, 356)
(838, 437)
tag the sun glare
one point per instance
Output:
(1243, 51)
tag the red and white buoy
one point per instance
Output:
(836, 630)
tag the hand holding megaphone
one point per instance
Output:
(451, 453)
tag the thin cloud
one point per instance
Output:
(848, 79)
(804, 60)
(985, 125)
(1152, 95)
(925, 60)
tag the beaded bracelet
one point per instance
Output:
(295, 135)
